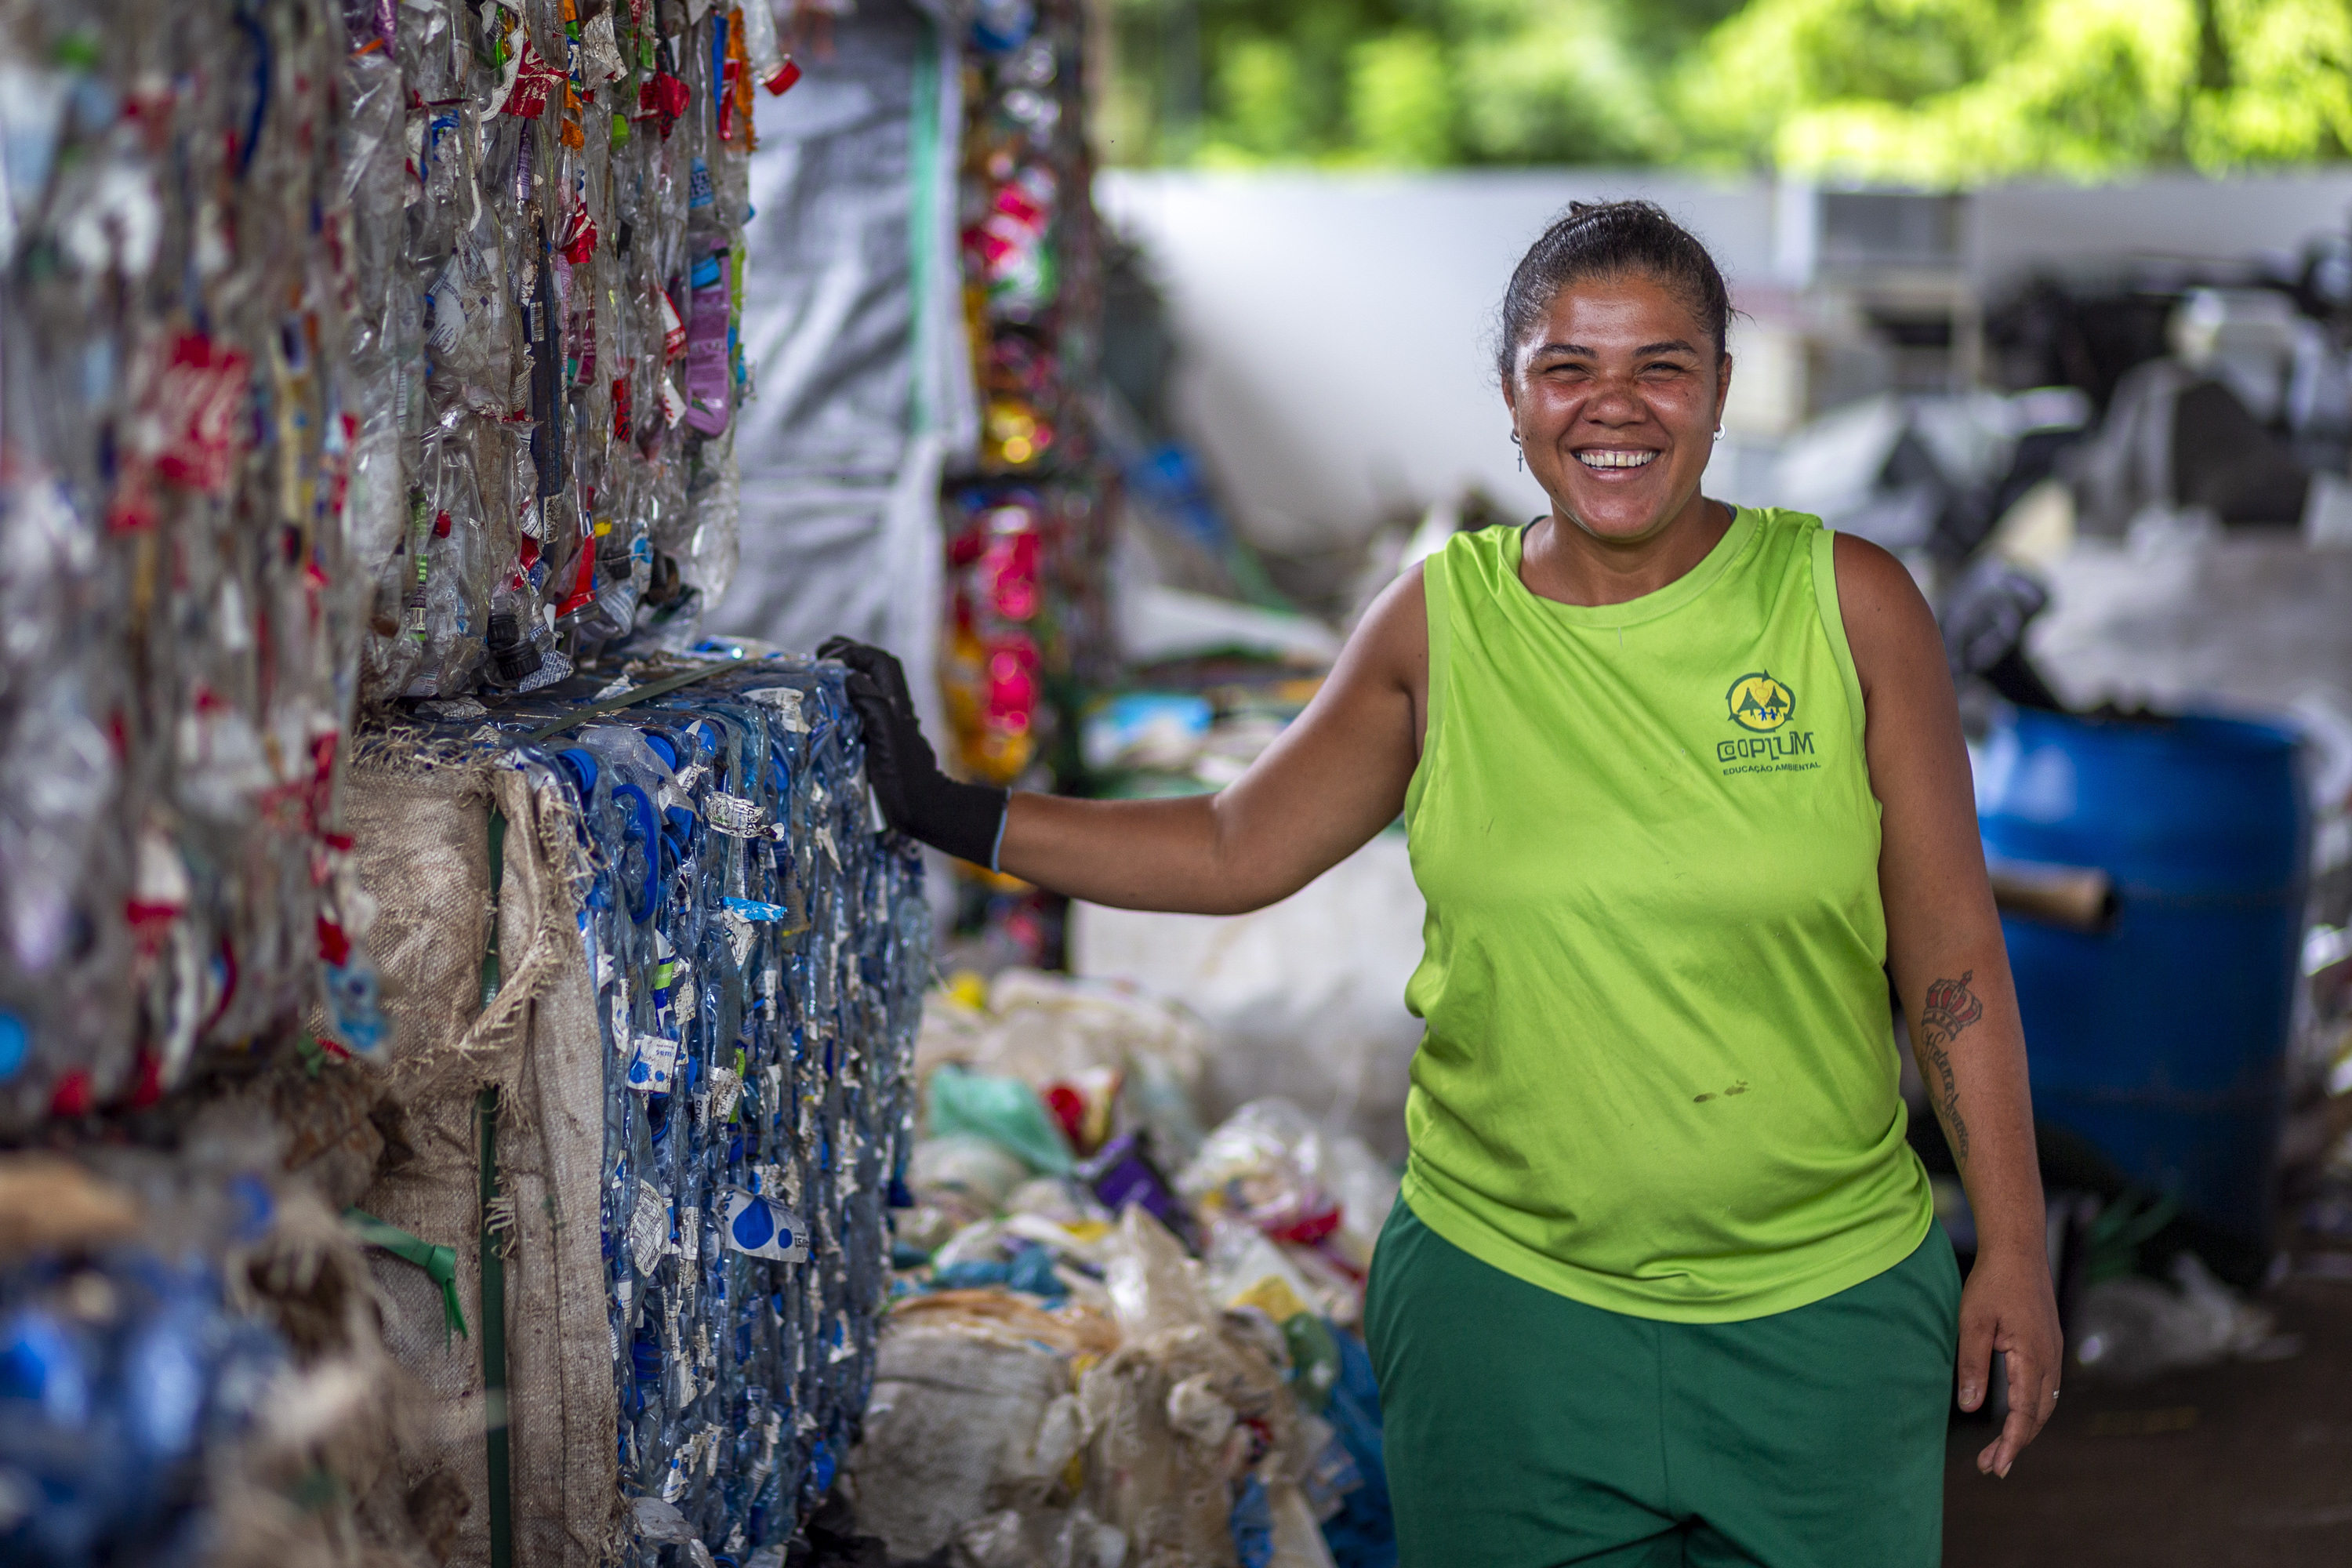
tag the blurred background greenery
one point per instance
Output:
(1938, 93)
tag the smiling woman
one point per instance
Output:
(1683, 784)
(1616, 393)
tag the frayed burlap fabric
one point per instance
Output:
(421, 834)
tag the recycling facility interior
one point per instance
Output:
(477, 1087)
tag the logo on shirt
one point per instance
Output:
(1763, 707)
(1760, 704)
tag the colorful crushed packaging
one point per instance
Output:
(1028, 520)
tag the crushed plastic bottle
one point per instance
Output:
(760, 953)
(544, 207)
(128, 1379)
(178, 587)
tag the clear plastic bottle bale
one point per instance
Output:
(181, 608)
(533, 183)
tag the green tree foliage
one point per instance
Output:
(1954, 93)
(1927, 92)
(1400, 83)
(1400, 100)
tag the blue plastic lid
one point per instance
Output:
(258, 1207)
(581, 765)
(662, 749)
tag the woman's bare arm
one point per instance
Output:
(1952, 971)
(1333, 779)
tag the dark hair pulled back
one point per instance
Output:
(1610, 239)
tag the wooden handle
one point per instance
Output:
(2080, 898)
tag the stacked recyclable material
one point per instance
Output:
(547, 210)
(189, 1365)
(1027, 530)
(381, 359)
(125, 1379)
(177, 582)
(1117, 1341)
(755, 952)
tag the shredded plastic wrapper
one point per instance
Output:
(759, 952)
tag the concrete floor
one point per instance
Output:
(2242, 1464)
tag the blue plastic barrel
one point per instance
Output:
(2162, 1039)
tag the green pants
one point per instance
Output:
(1526, 1430)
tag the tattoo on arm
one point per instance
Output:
(1950, 1008)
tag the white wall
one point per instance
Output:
(1336, 330)
(2016, 228)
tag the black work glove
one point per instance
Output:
(916, 798)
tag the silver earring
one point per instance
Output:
(1523, 452)
(1718, 432)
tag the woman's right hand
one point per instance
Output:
(917, 797)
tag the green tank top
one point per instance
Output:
(1657, 1072)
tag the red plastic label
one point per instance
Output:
(199, 407)
(579, 237)
(534, 80)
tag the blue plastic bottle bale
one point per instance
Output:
(2162, 1039)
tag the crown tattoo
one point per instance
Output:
(1952, 1003)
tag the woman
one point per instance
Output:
(1685, 783)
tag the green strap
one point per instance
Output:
(494, 1343)
(439, 1263)
(498, 877)
(629, 699)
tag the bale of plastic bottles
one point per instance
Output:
(669, 941)
(547, 201)
(180, 581)
(350, 353)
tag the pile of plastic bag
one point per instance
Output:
(1118, 1340)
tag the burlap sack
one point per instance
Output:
(421, 837)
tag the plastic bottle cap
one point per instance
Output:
(581, 765)
(665, 750)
